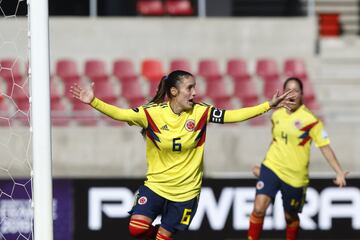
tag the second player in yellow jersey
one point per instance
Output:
(286, 164)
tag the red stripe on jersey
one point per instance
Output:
(152, 138)
(202, 138)
(304, 141)
(152, 129)
(306, 136)
(203, 120)
(151, 122)
(308, 127)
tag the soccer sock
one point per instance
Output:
(292, 230)
(159, 236)
(256, 225)
(151, 233)
(140, 228)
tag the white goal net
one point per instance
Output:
(16, 218)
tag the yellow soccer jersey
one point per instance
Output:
(289, 152)
(175, 143)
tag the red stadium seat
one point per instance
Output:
(4, 113)
(237, 69)
(54, 89)
(223, 103)
(216, 88)
(209, 69)
(59, 115)
(130, 84)
(329, 24)
(313, 105)
(150, 7)
(83, 113)
(244, 89)
(179, 7)
(259, 120)
(267, 68)
(66, 69)
(152, 70)
(124, 69)
(105, 91)
(10, 72)
(131, 91)
(271, 85)
(309, 93)
(95, 70)
(215, 85)
(180, 64)
(20, 95)
(295, 68)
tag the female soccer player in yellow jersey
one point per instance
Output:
(285, 167)
(175, 131)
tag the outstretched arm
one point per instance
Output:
(242, 114)
(329, 155)
(86, 95)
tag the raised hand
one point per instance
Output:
(85, 95)
(283, 100)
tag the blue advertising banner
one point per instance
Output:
(16, 214)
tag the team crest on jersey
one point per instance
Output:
(259, 185)
(190, 125)
(297, 124)
(142, 200)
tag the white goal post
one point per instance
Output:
(39, 72)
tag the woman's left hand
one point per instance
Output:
(283, 100)
(340, 179)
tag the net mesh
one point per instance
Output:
(15, 137)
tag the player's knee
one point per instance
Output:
(259, 211)
(291, 217)
(138, 227)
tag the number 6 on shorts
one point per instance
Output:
(186, 216)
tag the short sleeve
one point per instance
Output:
(319, 135)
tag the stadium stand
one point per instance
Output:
(338, 18)
(295, 68)
(123, 69)
(123, 79)
(131, 90)
(83, 114)
(66, 70)
(95, 70)
(179, 7)
(152, 70)
(180, 64)
(150, 7)
(10, 72)
(268, 71)
(329, 24)
(4, 113)
(215, 88)
(244, 86)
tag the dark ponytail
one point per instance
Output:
(165, 85)
(161, 92)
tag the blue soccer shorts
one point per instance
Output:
(269, 184)
(175, 216)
